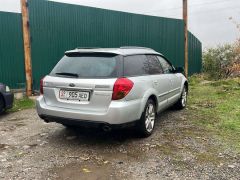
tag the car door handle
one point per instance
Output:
(155, 82)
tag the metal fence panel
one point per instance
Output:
(57, 27)
(11, 50)
(195, 54)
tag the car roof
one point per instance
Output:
(127, 50)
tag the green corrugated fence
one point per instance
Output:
(11, 50)
(195, 54)
(57, 27)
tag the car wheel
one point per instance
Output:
(182, 102)
(147, 121)
(2, 104)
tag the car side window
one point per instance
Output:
(167, 68)
(136, 65)
(154, 65)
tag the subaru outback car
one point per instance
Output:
(111, 87)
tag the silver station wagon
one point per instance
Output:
(111, 88)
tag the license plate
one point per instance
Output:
(74, 95)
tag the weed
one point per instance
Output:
(20, 104)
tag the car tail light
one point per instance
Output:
(41, 86)
(121, 88)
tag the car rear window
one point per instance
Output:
(87, 66)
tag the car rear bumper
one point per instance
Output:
(8, 98)
(117, 113)
(85, 123)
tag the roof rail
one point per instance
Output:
(88, 48)
(134, 47)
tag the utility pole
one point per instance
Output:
(27, 47)
(185, 19)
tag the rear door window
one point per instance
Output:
(136, 65)
(154, 65)
(167, 68)
(87, 66)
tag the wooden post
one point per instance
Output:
(27, 47)
(185, 19)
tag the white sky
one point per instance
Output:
(208, 19)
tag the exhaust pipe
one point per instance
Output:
(106, 128)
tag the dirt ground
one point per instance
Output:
(32, 149)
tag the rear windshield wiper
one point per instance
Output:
(67, 74)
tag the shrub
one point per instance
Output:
(222, 61)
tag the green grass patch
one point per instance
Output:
(21, 104)
(216, 106)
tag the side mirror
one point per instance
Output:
(179, 70)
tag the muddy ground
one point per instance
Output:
(32, 149)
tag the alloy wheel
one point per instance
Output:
(184, 97)
(150, 118)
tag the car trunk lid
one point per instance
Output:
(96, 93)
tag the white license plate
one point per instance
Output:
(74, 95)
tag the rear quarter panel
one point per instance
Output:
(141, 91)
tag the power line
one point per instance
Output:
(193, 5)
(209, 11)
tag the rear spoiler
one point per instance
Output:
(88, 53)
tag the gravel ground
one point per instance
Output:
(32, 149)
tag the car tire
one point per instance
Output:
(182, 102)
(148, 118)
(2, 104)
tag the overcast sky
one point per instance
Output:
(208, 19)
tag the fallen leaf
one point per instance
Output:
(152, 146)
(72, 156)
(180, 147)
(84, 158)
(86, 170)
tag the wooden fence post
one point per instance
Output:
(185, 19)
(27, 47)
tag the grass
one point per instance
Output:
(21, 104)
(215, 105)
